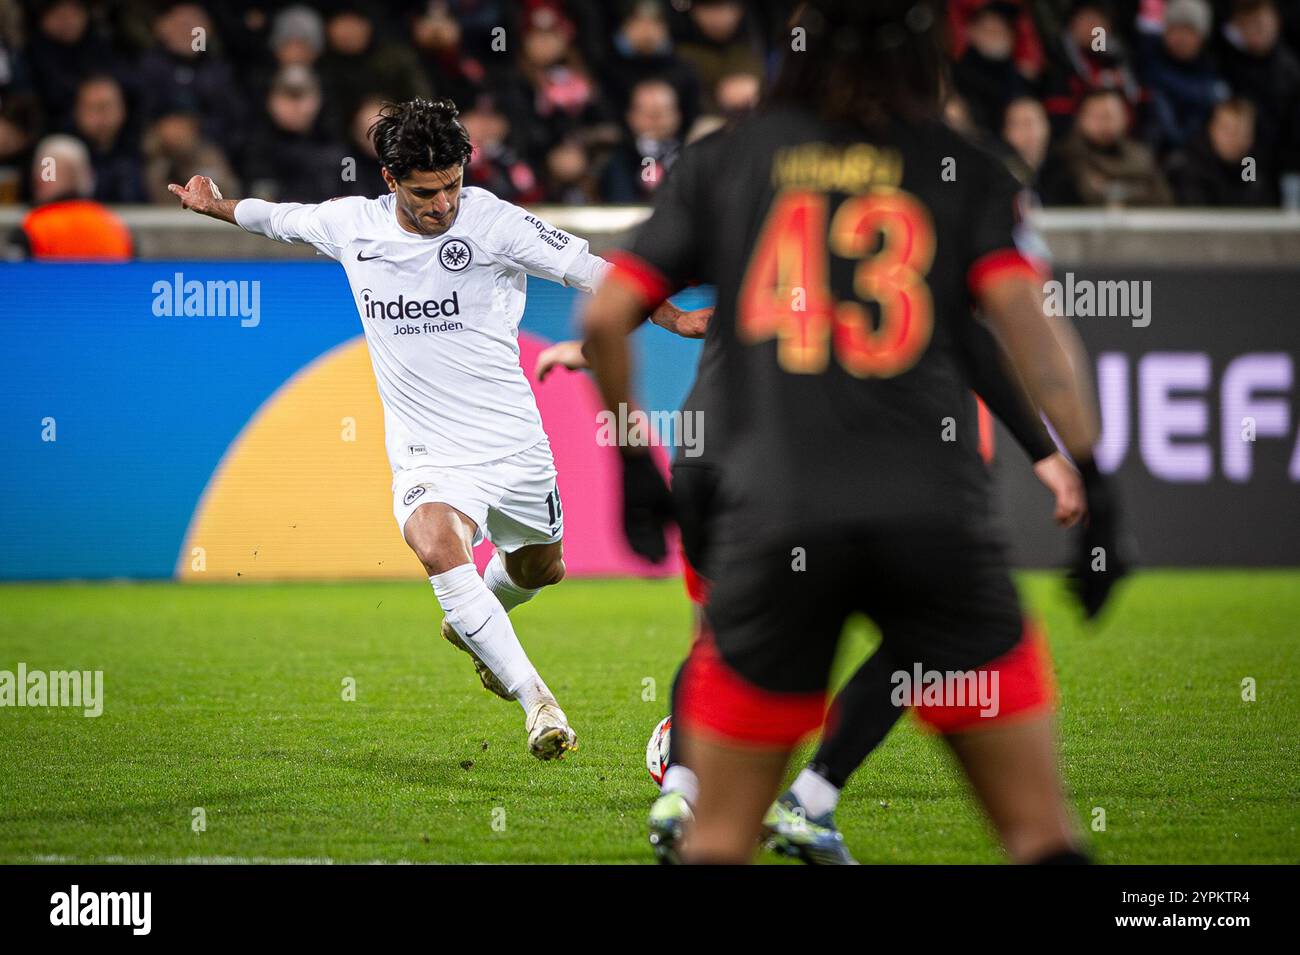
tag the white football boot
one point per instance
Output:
(549, 733)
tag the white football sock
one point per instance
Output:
(680, 779)
(500, 583)
(477, 615)
(815, 794)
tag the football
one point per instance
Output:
(656, 751)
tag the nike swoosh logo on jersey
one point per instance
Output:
(367, 258)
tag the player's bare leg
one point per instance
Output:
(536, 566)
(441, 536)
(737, 784)
(1013, 770)
(478, 622)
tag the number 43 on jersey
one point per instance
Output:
(786, 293)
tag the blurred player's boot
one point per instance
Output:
(549, 733)
(486, 677)
(815, 841)
(669, 817)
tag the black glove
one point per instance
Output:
(647, 506)
(1101, 544)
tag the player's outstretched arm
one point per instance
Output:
(325, 225)
(201, 195)
(570, 355)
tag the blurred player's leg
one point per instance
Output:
(755, 685)
(673, 811)
(694, 488)
(679, 776)
(1013, 770)
(860, 717)
(1008, 750)
(736, 787)
(801, 823)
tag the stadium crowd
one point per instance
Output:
(1093, 102)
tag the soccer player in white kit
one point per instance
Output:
(438, 273)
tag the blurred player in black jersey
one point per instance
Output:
(849, 234)
(801, 823)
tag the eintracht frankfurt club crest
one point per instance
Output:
(454, 255)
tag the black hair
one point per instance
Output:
(1016, 101)
(1104, 7)
(866, 62)
(1008, 12)
(1099, 92)
(420, 135)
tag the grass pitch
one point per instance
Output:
(229, 699)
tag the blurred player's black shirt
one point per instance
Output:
(820, 414)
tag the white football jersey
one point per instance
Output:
(441, 314)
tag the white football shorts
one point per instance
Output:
(513, 502)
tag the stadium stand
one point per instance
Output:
(567, 99)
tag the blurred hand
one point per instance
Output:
(560, 355)
(647, 506)
(1099, 562)
(1059, 476)
(693, 324)
(686, 324)
(200, 194)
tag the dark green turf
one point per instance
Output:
(229, 698)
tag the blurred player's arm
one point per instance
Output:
(1006, 282)
(614, 313)
(690, 324)
(1049, 358)
(588, 272)
(998, 384)
(570, 355)
(534, 247)
(669, 250)
(1052, 363)
(1005, 272)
